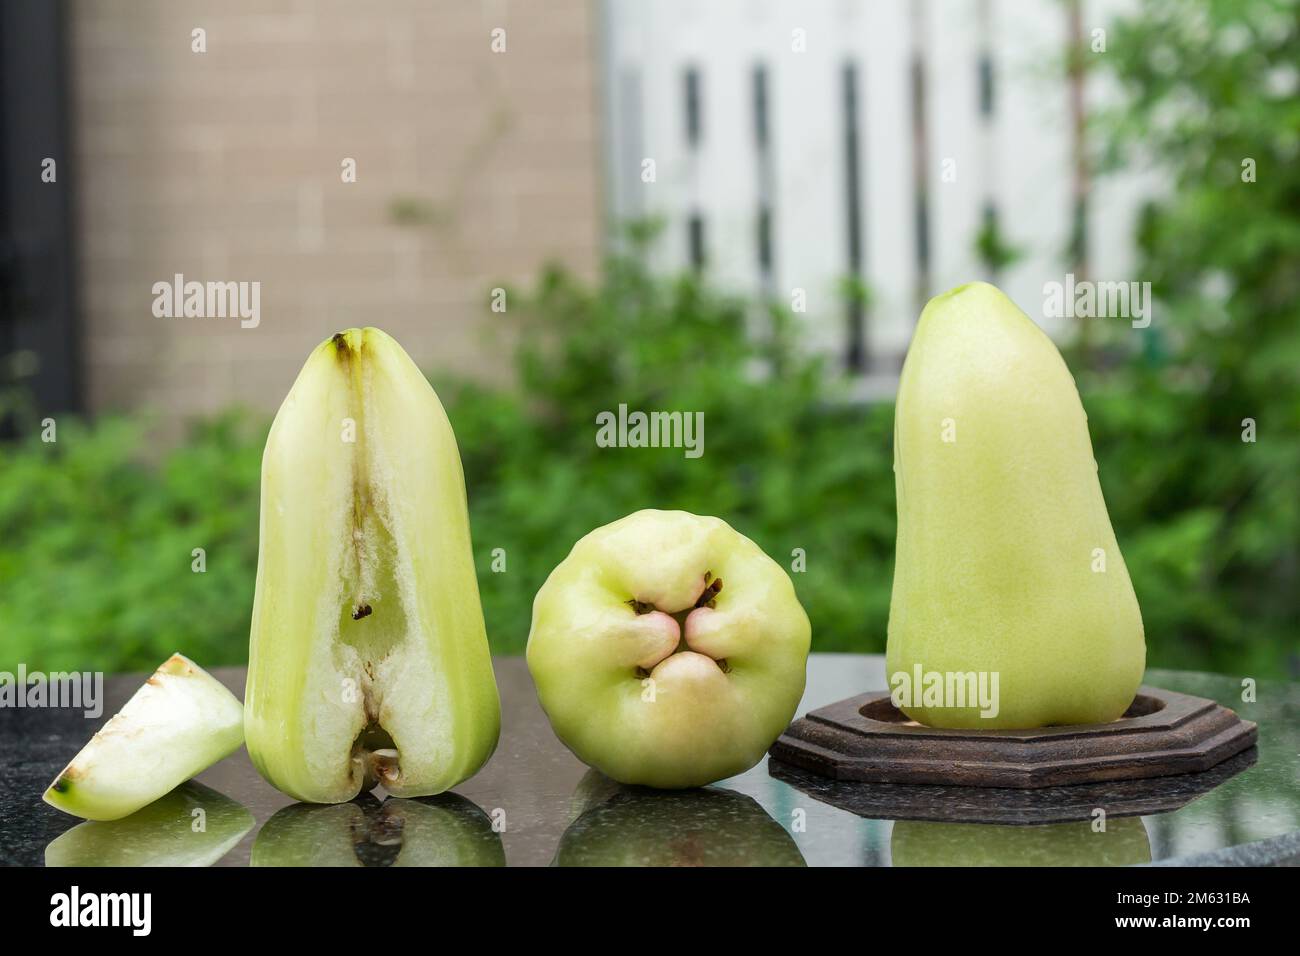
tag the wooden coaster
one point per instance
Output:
(920, 801)
(865, 738)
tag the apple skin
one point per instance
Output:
(1000, 518)
(645, 686)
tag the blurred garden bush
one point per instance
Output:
(1209, 523)
(97, 530)
(98, 539)
(97, 533)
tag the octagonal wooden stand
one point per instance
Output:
(927, 801)
(866, 739)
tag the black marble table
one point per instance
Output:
(535, 804)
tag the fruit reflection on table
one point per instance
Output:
(445, 830)
(1123, 842)
(192, 825)
(617, 825)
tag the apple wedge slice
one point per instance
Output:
(178, 724)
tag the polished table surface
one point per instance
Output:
(536, 804)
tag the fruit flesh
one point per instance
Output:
(368, 658)
(652, 672)
(178, 724)
(999, 526)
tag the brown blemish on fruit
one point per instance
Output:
(177, 665)
(361, 611)
(342, 351)
(344, 348)
(710, 596)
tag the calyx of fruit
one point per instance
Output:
(178, 724)
(368, 657)
(1006, 561)
(668, 650)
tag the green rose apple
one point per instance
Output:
(668, 650)
(1006, 562)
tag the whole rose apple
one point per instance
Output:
(668, 650)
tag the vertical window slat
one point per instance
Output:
(695, 241)
(856, 352)
(762, 143)
(692, 110)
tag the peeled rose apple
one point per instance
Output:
(368, 658)
(668, 650)
(182, 721)
(1006, 563)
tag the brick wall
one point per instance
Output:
(225, 165)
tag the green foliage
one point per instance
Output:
(96, 530)
(96, 542)
(1209, 523)
(993, 249)
(101, 538)
(783, 461)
